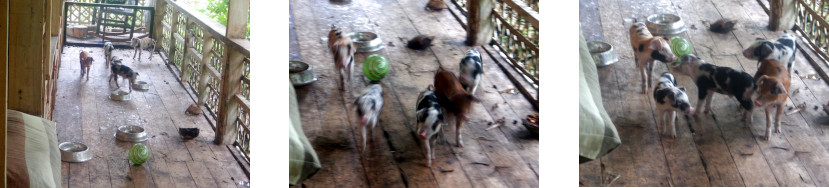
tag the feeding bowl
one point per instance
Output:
(602, 53)
(366, 41)
(188, 133)
(131, 133)
(119, 95)
(74, 152)
(141, 85)
(301, 73)
(665, 24)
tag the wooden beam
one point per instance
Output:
(228, 109)
(160, 6)
(783, 14)
(171, 49)
(4, 60)
(25, 52)
(56, 14)
(207, 49)
(478, 20)
(237, 19)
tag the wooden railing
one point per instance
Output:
(83, 15)
(515, 32)
(811, 21)
(213, 66)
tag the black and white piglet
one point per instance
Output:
(712, 79)
(782, 50)
(429, 122)
(368, 109)
(670, 99)
(471, 68)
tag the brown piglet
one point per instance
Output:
(773, 81)
(453, 98)
(86, 62)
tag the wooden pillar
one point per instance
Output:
(160, 6)
(57, 13)
(4, 60)
(207, 48)
(185, 48)
(783, 14)
(172, 47)
(237, 19)
(479, 21)
(27, 28)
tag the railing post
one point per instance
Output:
(479, 22)
(207, 48)
(172, 48)
(783, 14)
(237, 19)
(228, 109)
(160, 6)
(185, 49)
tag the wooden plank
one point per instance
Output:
(25, 20)
(161, 98)
(118, 172)
(219, 174)
(180, 174)
(140, 176)
(200, 174)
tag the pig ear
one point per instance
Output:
(656, 44)
(766, 49)
(682, 89)
(779, 89)
(760, 80)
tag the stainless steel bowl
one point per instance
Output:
(301, 73)
(141, 85)
(119, 95)
(665, 24)
(74, 152)
(602, 53)
(131, 133)
(366, 41)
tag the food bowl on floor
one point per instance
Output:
(141, 85)
(188, 133)
(131, 133)
(74, 152)
(665, 24)
(301, 73)
(531, 123)
(119, 95)
(366, 41)
(602, 53)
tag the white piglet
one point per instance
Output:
(429, 122)
(471, 69)
(368, 109)
(669, 100)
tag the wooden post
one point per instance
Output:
(783, 14)
(237, 19)
(57, 8)
(46, 37)
(228, 109)
(160, 6)
(185, 49)
(207, 48)
(479, 21)
(4, 58)
(172, 47)
(27, 26)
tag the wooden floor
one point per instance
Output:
(729, 154)
(506, 156)
(85, 114)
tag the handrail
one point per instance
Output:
(214, 27)
(69, 3)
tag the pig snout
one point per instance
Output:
(690, 110)
(758, 103)
(422, 135)
(746, 53)
(363, 120)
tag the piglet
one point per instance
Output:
(453, 98)
(471, 69)
(86, 63)
(429, 122)
(368, 108)
(342, 48)
(711, 79)
(108, 52)
(773, 82)
(647, 49)
(670, 99)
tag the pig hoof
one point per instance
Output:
(777, 131)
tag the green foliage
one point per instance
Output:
(217, 9)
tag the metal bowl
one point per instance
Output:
(301, 73)
(119, 95)
(141, 85)
(74, 152)
(131, 133)
(366, 41)
(602, 53)
(665, 24)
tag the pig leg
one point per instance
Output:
(708, 97)
(458, 126)
(426, 152)
(433, 145)
(768, 123)
(747, 117)
(641, 68)
(701, 94)
(672, 123)
(777, 118)
(363, 129)
(649, 74)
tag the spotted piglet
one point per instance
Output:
(368, 109)
(647, 49)
(712, 79)
(669, 100)
(471, 68)
(783, 50)
(429, 122)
